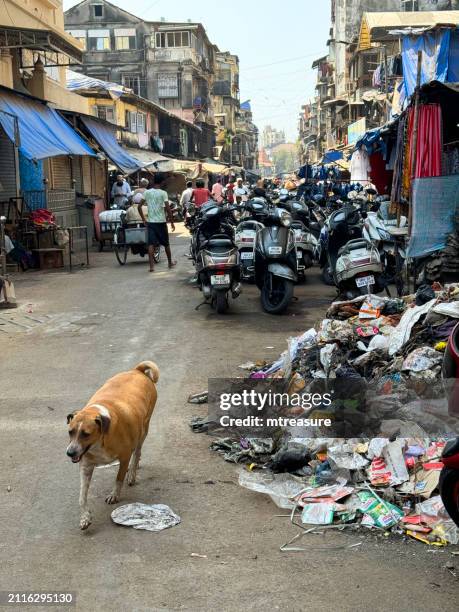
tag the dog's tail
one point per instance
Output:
(150, 369)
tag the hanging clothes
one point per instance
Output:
(360, 166)
(379, 175)
(398, 163)
(429, 143)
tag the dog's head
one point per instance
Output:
(86, 427)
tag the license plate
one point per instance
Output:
(246, 255)
(222, 279)
(275, 250)
(299, 254)
(364, 281)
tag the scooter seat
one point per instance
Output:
(215, 243)
(352, 246)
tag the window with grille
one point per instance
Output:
(99, 40)
(107, 113)
(167, 85)
(131, 121)
(125, 39)
(132, 81)
(172, 39)
(141, 123)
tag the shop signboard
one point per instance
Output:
(356, 130)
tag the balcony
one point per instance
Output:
(179, 54)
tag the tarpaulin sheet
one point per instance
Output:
(453, 58)
(435, 56)
(105, 136)
(435, 202)
(331, 156)
(42, 131)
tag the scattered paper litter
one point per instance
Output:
(151, 517)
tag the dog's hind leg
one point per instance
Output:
(86, 471)
(133, 466)
(114, 496)
(135, 460)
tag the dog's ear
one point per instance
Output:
(103, 422)
(70, 417)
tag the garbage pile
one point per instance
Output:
(388, 481)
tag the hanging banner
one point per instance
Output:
(356, 130)
(435, 204)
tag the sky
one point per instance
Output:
(276, 43)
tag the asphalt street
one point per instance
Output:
(72, 332)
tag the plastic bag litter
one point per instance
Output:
(279, 487)
(449, 309)
(326, 356)
(318, 513)
(421, 359)
(343, 458)
(424, 294)
(333, 329)
(401, 334)
(150, 517)
(377, 343)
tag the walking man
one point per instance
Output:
(158, 213)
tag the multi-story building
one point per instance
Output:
(225, 97)
(272, 137)
(171, 64)
(345, 92)
(245, 143)
(40, 169)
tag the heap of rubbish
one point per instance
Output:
(389, 480)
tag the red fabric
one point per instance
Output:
(429, 145)
(201, 196)
(380, 177)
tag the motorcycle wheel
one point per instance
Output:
(281, 296)
(307, 261)
(327, 276)
(221, 302)
(157, 255)
(449, 491)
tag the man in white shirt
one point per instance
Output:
(121, 191)
(241, 193)
(186, 195)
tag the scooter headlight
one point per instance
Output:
(285, 218)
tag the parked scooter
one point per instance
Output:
(354, 263)
(216, 256)
(275, 260)
(245, 235)
(305, 241)
(380, 230)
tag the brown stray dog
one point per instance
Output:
(113, 426)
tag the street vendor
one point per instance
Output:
(121, 191)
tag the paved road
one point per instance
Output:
(89, 325)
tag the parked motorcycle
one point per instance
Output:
(245, 235)
(275, 260)
(449, 480)
(216, 256)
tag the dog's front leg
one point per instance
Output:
(114, 496)
(86, 470)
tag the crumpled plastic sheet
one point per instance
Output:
(294, 345)
(401, 334)
(279, 487)
(150, 517)
(344, 457)
(378, 343)
(326, 355)
(422, 358)
(333, 329)
(450, 309)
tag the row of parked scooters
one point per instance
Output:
(272, 241)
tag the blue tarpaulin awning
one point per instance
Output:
(105, 136)
(332, 156)
(42, 131)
